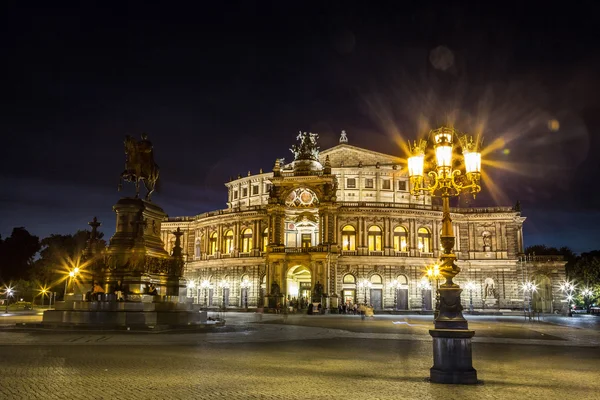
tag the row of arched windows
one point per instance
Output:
(375, 279)
(400, 240)
(374, 239)
(228, 242)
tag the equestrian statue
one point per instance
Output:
(139, 165)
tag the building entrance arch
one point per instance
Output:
(299, 283)
(542, 297)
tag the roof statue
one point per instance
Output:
(307, 149)
(343, 137)
(140, 165)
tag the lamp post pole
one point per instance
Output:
(451, 334)
(8, 296)
(568, 288)
(470, 286)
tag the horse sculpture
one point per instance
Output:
(139, 165)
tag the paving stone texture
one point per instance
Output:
(277, 359)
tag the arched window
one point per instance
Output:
(213, 243)
(376, 279)
(374, 238)
(265, 239)
(424, 240)
(228, 242)
(349, 278)
(348, 238)
(402, 280)
(247, 240)
(400, 239)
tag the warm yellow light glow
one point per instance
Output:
(415, 165)
(472, 162)
(443, 155)
(72, 274)
(76, 270)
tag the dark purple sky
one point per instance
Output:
(223, 89)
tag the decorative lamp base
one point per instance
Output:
(452, 357)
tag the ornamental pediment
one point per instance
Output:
(345, 155)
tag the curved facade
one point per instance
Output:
(347, 224)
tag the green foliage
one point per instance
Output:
(58, 251)
(17, 253)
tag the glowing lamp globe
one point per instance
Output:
(415, 165)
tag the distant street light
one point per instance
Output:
(9, 291)
(568, 288)
(365, 283)
(528, 289)
(69, 279)
(205, 285)
(587, 293)
(471, 286)
(424, 285)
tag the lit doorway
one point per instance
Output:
(299, 283)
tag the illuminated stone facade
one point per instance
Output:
(348, 222)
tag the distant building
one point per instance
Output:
(344, 220)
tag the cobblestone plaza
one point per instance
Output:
(303, 357)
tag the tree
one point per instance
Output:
(59, 254)
(17, 253)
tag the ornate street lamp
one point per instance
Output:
(69, 279)
(451, 336)
(587, 293)
(424, 285)
(434, 273)
(365, 283)
(205, 284)
(190, 286)
(568, 288)
(528, 289)
(470, 286)
(9, 292)
(245, 285)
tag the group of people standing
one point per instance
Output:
(118, 289)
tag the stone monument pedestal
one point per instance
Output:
(137, 258)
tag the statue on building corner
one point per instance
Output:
(343, 137)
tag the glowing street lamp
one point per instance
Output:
(69, 280)
(445, 181)
(191, 284)
(365, 283)
(434, 273)
(424, 285)
(9, 292)
(568, 288)
(528, 289)
(470, 286)
(587, 293)
(43, 292)
(205, 285)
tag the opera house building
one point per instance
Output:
(339, 226)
